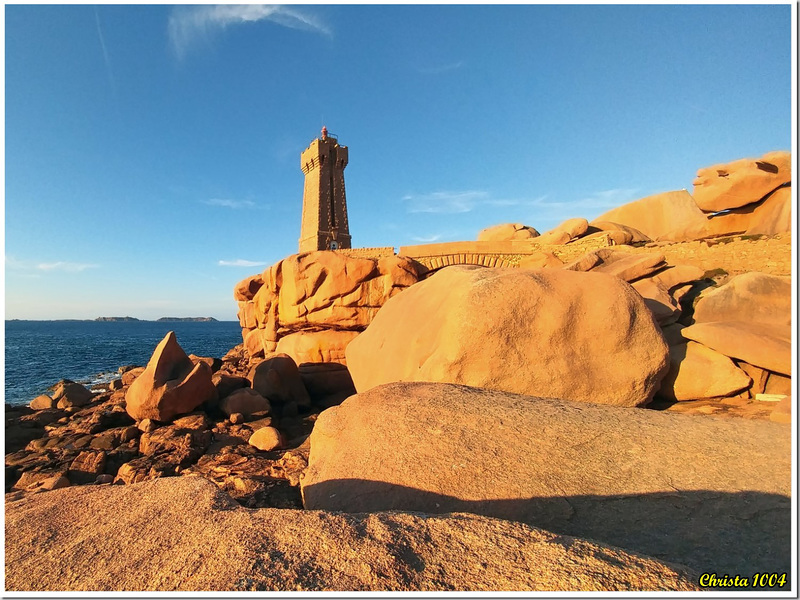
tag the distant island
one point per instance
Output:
(116, 319)
(161, 320)
(182, 319)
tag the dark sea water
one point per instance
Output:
(40, 353)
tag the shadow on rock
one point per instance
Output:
(723, 533)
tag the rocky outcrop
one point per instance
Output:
(658, 215)
(701, 492)
(567, 231)
(170, 385)
(550, 332)
(741, 182)
(748, 318)
(314, 292)
(214, 545)
(747, 196)
(762, 345)
(326, 346)
(773, 215)
(754, 297)
(507, 231)
(636, 235)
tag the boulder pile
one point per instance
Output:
(242, 427)
(747, 196)
(311, 305)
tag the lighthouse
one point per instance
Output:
(324, 223)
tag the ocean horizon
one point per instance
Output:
(39, 353)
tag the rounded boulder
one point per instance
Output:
(553, 333)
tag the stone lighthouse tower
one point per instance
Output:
(324, 225)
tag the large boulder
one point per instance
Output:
(216, 545)
(774, 215)
(765, 346)
(626, 265)
(698, 372)
(636, 235)
(507, 231)
(754, 297)
(327, 383)
(565, 232)
(68, 394)
(278, 380)
(329, 289)
(741, 182)
(657, 215)
(698, 491)
(748, 318)
(245, 401)
(170, 384)
(549, 332)
(317, 291)
(325, 346)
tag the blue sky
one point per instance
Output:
(152, 152)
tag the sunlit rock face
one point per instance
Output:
(741, 182)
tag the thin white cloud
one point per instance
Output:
(190, 24)
(240, 262)
(427, 239)
(454, 202)
(444, 202)
(69, 267)
(436, 69)
(228, 203)
(605, 199)
(106, 58)
(31, 268)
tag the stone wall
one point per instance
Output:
(736, 255)
(367, 252)
(508, 253)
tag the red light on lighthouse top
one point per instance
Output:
(324, 133)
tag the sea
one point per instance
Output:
(41, 353)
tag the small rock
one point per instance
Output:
(227, 384)
(770, 397)
(87, 466)
(266, 439)
(129, 376)
(130, 433)
(42, 402)
(104, 478)
(71, 394)
(237, 418)
(115, 384)
(245, 401)
(147, 425)
(54, 483)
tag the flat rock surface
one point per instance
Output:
(184, 534)
(694, 490)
